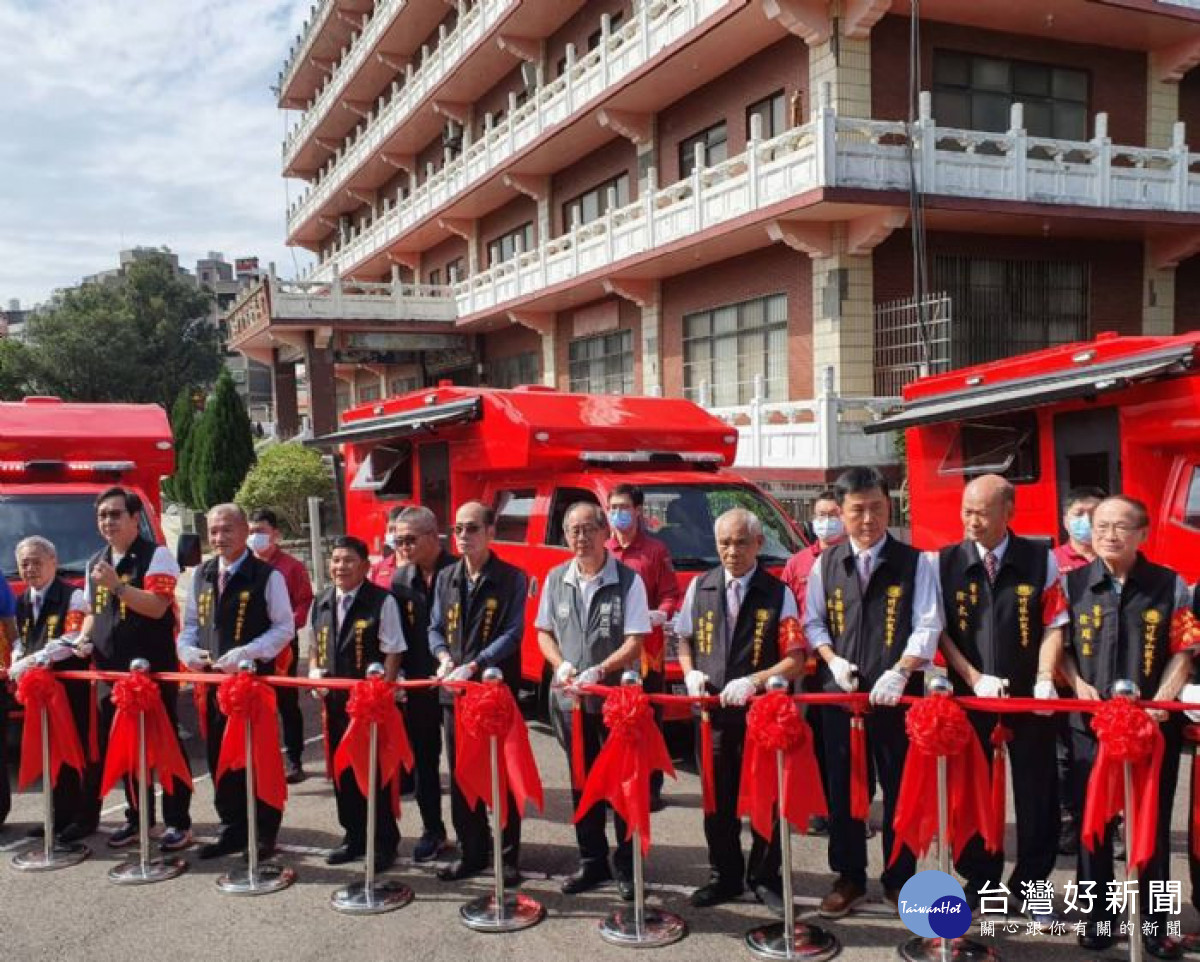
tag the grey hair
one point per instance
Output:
(37, 542)
(420, 517)
(228, 508)
(599, 518)
(741, 516)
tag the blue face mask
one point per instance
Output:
(1079, 527)
(621, 519)
(828, 528)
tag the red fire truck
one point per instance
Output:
(533, 451)
(1121, 413)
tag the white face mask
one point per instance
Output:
(258, 542)
(827, 528)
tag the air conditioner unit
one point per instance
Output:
(452, 135)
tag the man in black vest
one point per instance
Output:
(421, 557)
(237, 610)
(8, 635)
(130, 593)
(50, 613)
(478, 618)
(591, 620)
(1122, 608)
(872, 615)
(354, 624)
(737, 627)
(1004, 613)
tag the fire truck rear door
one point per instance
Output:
(1087, 449)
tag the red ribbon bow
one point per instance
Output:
(38, 689)
(1126, 734)
(937, 727)
(138, 695)
(1185, 631)
(372, 703)
(246, 698)
(482, 712)
(621, 772)
(774, 724)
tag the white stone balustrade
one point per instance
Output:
(317, 18)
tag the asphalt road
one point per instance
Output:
(77, 913)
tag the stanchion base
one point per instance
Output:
(155, 870)
(269, 878)
(961, 950)
(810, 942)
(518, 912)
(658, 928)
(355, 899)
(61, 856)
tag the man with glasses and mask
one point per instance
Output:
(383, 570)
(419, 558)
(477, 623)
(130, 595)
(1122, 608)
(591, 621)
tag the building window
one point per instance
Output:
(1004, 307)
(728, 347)
(594, 203)
(505, 247)
(714, 142)
(602, 364)
(369, 392)
(402, 385)
(455, 271)
(511, 371)
(435, 277)
(614, 24)
(977, 93)
(771, 113)
(513, 509)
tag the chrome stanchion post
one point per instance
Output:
(370, 897)
(256, 878)
(919, 949)
(53, 854)
(645, 928)
(1126, 689)
(145, 869)
(789, 939)
(499, 912)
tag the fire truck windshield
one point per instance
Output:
(67, 520)
(683, 515)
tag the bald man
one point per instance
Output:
(1004, 613)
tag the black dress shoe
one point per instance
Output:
(714, 893)
(770, 898)
(1096, 943)
(222, 846)
(657, 804)
(75, 833)
(585, 878)
(626, 890)
(1162, 947)
(385, 860)
(266, 849)
(458, 870)
(512, 876)
(342, 854)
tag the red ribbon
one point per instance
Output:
(372, 702)
(200, 700)
(774, 724)
(1192, 734)
(243, 698)
(134, 695)
(1126, 734)
(938, 727)
(708, 786)
(860, 797)
(38, 689)
(621, 773)
(1000, 738)
(483, 712)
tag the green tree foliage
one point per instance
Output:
(140, 338)
(14, 370)
(178, 487)
(222, 447)
(286, 476)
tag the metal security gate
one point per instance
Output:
(902, 348)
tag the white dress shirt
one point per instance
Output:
(279, 610)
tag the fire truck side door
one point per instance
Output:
(1087, 450)
(1175, 534)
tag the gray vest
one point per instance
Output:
(587, 645)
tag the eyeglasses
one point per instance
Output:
(582, 530)
(407, 541)
(111, 514)
(469, 528)
(1119, 528)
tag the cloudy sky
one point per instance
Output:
(139, 122)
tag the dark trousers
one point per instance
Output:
(813, 715)
(5, 790)
(351, 802)
(229, 794)
(723, 829)
(423, 719)
(590, 831)
(654, 683)
(178, 804)
(471, 825)
(887, 744)
(77, 794)
(1034, 766)
(1097, 866)
(290, 718)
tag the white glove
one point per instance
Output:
(228, 662)
(461, 673)
(696, 683)
(1191, 693)
(670, 624)
(657, 618)
(736, 693)
(83, 648)
(445, 667)
(888, 689)
(59, 651)
(590, 676)
(1045, 690)
(563, 675)
(989, 686)
(316, 674)
(20, 666)
(844, 673)
(193, 658)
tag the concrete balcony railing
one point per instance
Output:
(318, 15)
(1190, 4)
(658, 24)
